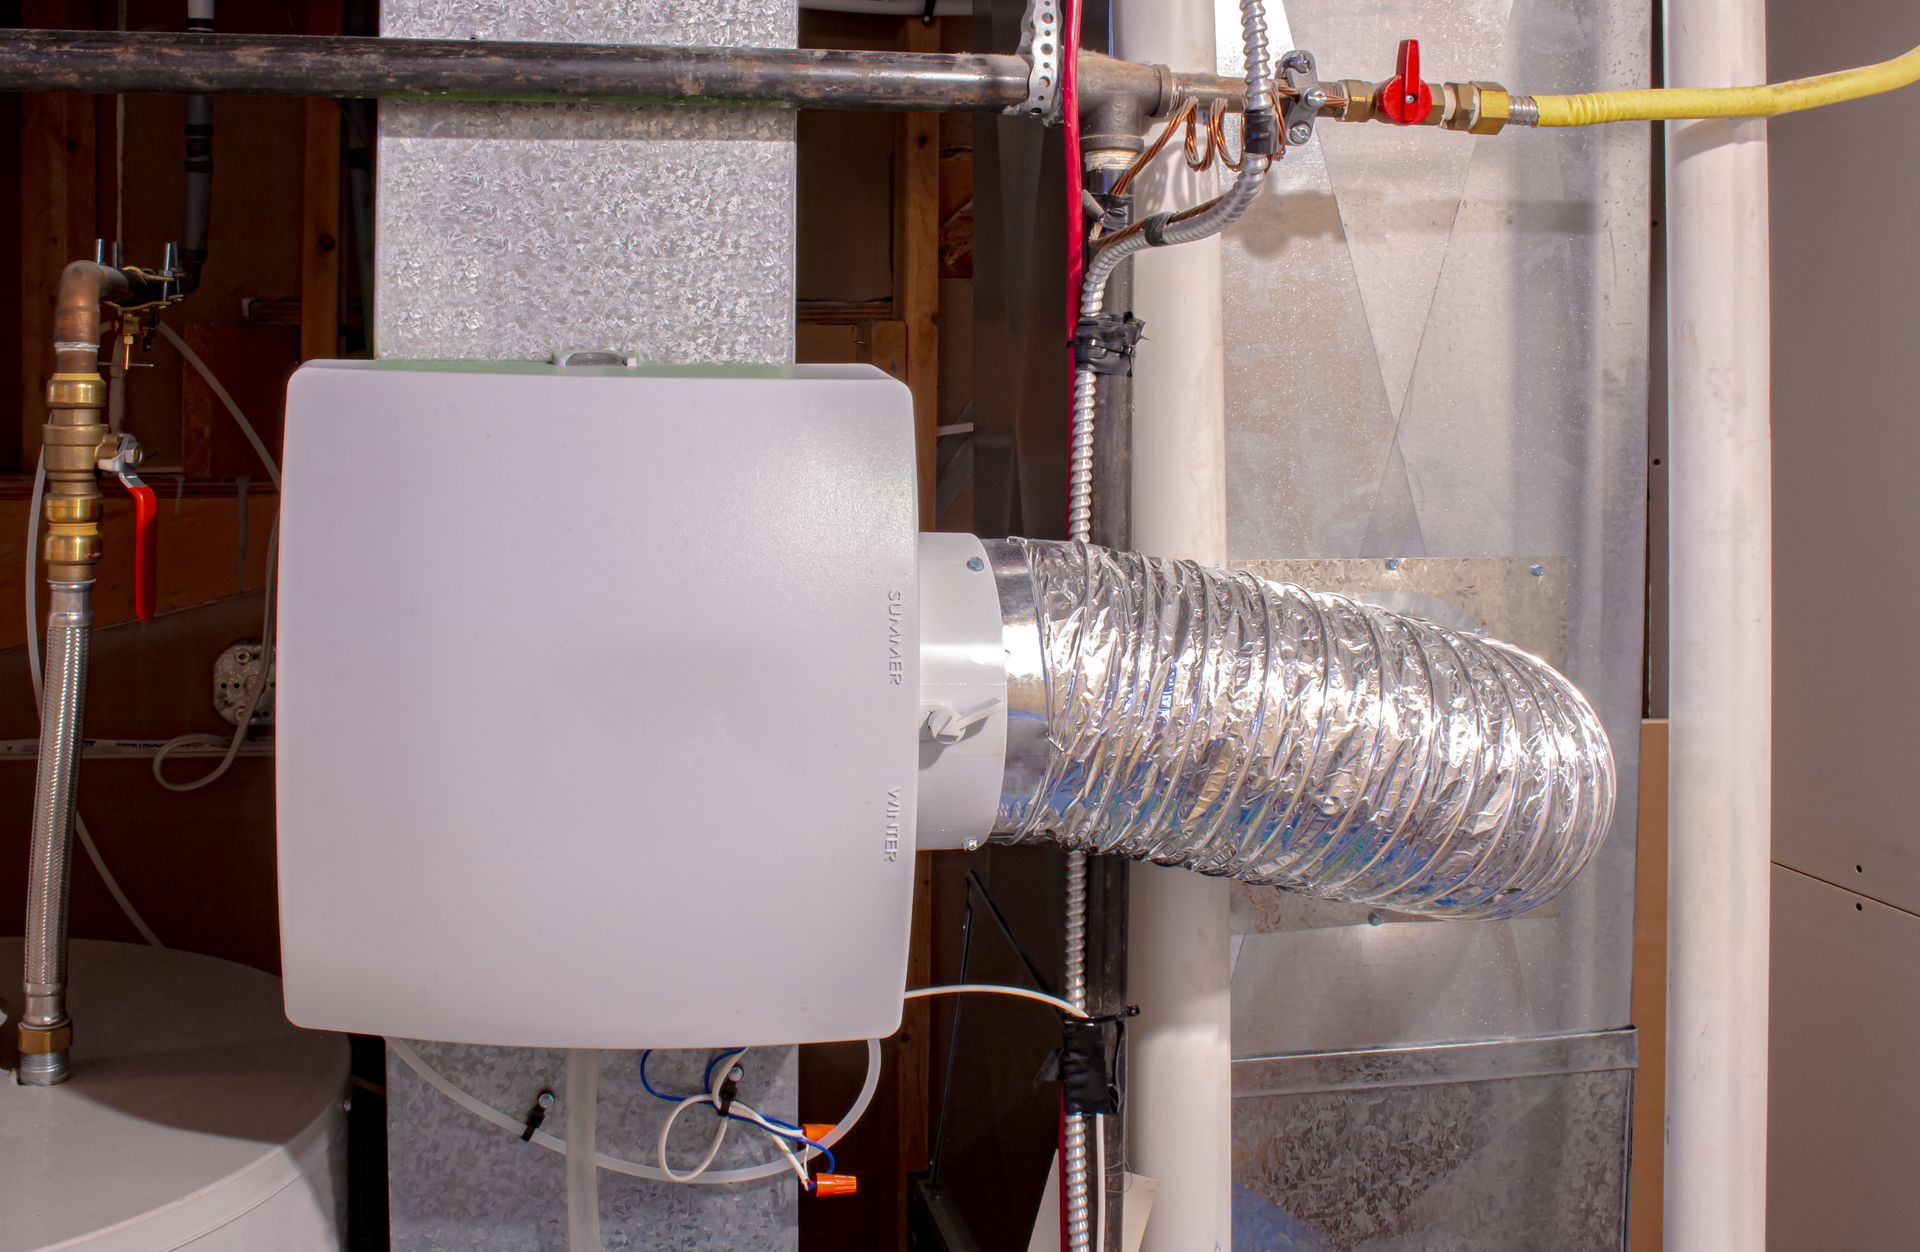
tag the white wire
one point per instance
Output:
(634, 1169)
(719, 1070)
(989, 989)
(262, 678)
(780, 1138)
(264, 675)
(1100, 1173)
(713, 1149)
(32, 598)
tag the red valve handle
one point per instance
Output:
(1406, 99)
(146, 551)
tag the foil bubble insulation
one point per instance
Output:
(1257, 731)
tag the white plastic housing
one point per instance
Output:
(598, 715)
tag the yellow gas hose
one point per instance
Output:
(1676, 103)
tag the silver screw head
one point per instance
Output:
(975, 564)
(1300, 133)
(1373, 919)
(1538, 571)
(1393, 563)
(971, 845)
(545, 1100)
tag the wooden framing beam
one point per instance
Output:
(320, 210)
(57, 222)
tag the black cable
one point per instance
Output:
(1040, 982)
(953, 1047)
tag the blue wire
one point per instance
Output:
(658, 1095)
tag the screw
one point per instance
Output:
(1373, 919)
(1393, 563)
(546, 1100)
(1538, 571)
(971, 845)
(1317, 98)
(975, 564)
(736, 1073)
(1300, 133)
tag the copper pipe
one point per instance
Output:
(76, 315)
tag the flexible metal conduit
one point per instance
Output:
(1256, 731)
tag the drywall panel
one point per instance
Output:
(1844, 1109)
(1846, 261)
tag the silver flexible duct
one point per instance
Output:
(69, 628)
(1256, 731)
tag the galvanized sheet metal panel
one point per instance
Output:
(511, 231)
(1436, 347)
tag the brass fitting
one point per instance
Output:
(1362, 100)
(1477, 108)
(42, 1040)
(71, 445)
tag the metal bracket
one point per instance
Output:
(1309, 97)
(1042, 36)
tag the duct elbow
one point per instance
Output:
(1260, 732)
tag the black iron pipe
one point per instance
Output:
(357, 67)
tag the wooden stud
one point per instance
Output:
(57, 222)
(320, 211)
(916, 299)
(1647, 1186)
(916, 260)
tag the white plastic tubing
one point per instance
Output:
(582, 1109)
(1179, 1075)
(1721, 641)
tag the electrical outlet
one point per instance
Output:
(234, 675)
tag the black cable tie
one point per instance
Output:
(1155, 229)
(729, 1091)
(1105, 344)
(1115, 210)
(1262, 132)
(536, 1115)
